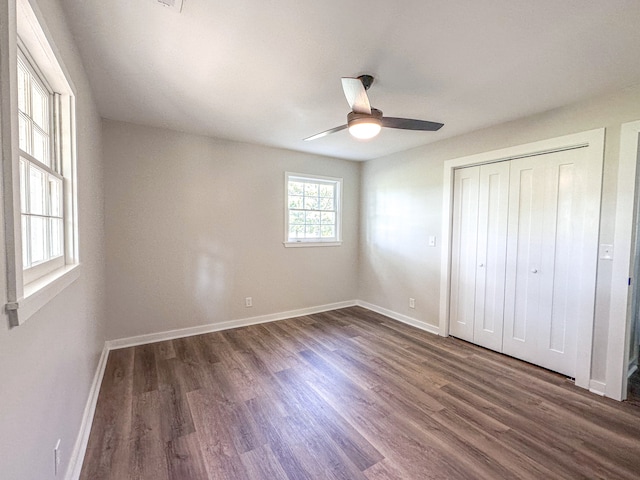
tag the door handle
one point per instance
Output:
(481, 264)
(534, 270)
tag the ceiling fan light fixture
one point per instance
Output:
(365, 128)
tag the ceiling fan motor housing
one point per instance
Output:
(367, 81)
(354, 118)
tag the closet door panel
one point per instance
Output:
(493, 208)
(524, 241)
(463, 252)
(561, 264)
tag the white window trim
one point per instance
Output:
(313, 242)
(39, 270)
(25, 300)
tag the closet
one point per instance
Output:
(519, 233)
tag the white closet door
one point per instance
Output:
(493, 209)
(548, 233)
(463, 249)
(561, 268)
(524, 256)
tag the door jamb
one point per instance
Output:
(620, 315)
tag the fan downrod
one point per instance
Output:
(367, 81)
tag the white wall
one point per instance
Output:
(47, 364)
(396, 262)
(194, 225)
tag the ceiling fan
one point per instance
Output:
(364, 121)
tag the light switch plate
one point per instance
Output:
(432, 240)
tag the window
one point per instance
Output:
(313, 210)
(40, 188)
(41, 183)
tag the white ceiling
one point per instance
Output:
(268, 71)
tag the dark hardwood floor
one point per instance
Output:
(348, 394)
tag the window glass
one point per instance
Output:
(312, 209)
(56, 237)
(55, 195)
(36, 191)
(41, 186)
(23, 128)
(37, 226)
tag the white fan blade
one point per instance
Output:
(356, 95)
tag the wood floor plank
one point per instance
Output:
(262, 463)
(176, 419)
(145, 376)
(108, 445)
(184, 459)
(348, 394)
(147, 455)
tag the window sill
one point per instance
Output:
(311, 244)
(41, 291)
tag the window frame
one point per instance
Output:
(314, 242)
(37, 270)
(26, 30)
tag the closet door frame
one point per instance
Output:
(593, 142)
(625, 263)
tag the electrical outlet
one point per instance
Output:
(412, 302)
(248, 302)
(56, 458)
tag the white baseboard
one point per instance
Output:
(400, 317)
(597, 387)
(79, 449)
(216, 327)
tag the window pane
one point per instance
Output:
(328, 218)
(23, 134)
(36, 190)
(296, 218)
(296, 231)
(296, 202)
(326, 204)
(38, 237)
(25, 243)
(311, 189)
(23, 88)
(56, 237)
(55, 196)
(313, 218)
(23, 185)
(312, 231)
(40, 107)
(328, 231)
(311, 203)
(41, 147)
(296, 188)
(326, 190)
